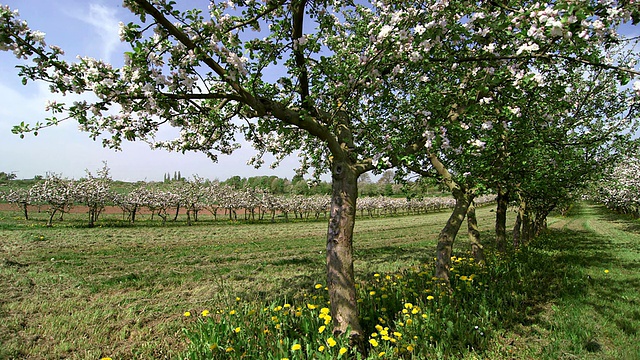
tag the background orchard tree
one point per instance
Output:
(94, 192)
(21, 197)
(620, 190)
(55, 192)
(457, 73)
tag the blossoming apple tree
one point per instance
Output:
(462, 78)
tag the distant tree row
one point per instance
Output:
(235, 196)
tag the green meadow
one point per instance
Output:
(224, 289)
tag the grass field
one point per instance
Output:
(121, 291)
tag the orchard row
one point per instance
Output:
(192, 196)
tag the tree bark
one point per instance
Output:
(477, 250)
(517, 227)
(501, 219)
(340, 274)
(448, 234)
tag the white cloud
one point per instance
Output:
(105, 22)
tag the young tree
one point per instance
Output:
(94, 192)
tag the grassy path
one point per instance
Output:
(602, 320)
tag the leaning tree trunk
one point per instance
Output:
(340, 274)
(448, 234)
(502, 201)
(477, 250)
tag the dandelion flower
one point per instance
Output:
(296, 347)
(321, 348)
(318, 286)
(236, 330)
(106, 358)
(311, 306)
(205, 312)
(324, 310)
(186, 314)
(331, 342)
(373, 342)
(232, 312)
(343, 351)
(606, 271)
(410, 348)
(381, 354)
(229, 349)
(430, 297)
(321, 329)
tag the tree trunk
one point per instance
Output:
(448, 234)
(177, 212)
(477, 250)
(340, 274)
(25, 210)
(501, 219)
(517, 227)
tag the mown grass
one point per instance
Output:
(121, 291)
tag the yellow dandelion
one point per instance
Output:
(397, 334)
(277, 308)
(343, 350)
(321, 348)
(464, 278)
(373, 342)
(205, 312)
(410, 348)
(311, 306)
(324, 310)
(376, 275)
(236, 330)
(408, 306)
(232, 312)
(381, 354)
(106, 358)
(319, 286)
(237, 298)
(296, 347)
(286, 306)
(186, 314)
(409, 322)
(331, 342)
(372, 293)
(321, 329)
(606, 271)
(229, 349)
(213, 346)
(298, 313)
(430, 297)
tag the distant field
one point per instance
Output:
(79, 293)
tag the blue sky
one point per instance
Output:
(90, 28)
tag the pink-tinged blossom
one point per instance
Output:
(529, 47)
